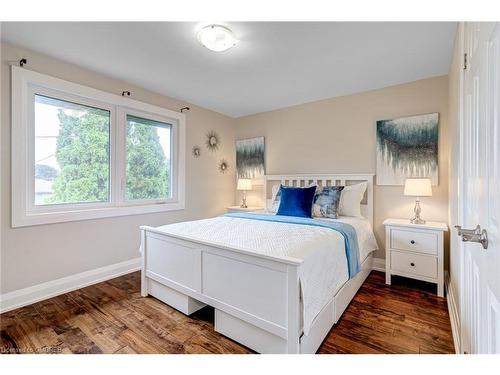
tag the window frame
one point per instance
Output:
(25, 84)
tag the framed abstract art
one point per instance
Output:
(250, 158)
(407, 147)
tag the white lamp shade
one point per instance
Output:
(244, 184)
(418, 187)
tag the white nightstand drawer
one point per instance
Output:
(415, 264)
(423, 242)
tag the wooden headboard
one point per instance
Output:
(302, 180)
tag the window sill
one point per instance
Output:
(93, 213)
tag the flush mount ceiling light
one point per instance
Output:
(216, 38)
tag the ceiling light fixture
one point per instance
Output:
(216, 38)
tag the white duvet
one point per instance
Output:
(322, 252)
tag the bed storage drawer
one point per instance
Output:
(414, 264)
(173, 298)
(413, 240)
(247, 334)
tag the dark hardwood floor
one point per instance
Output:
(111, 317)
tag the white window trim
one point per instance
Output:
(23, 211)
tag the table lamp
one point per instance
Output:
(417, 187)
(244, 184)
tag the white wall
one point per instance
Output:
(338, 136)
(33, 255)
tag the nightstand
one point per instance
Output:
(415, 250)
(248, 209)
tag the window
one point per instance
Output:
(80, 153)
(71, 152)
(148, 159)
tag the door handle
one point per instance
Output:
(473, 235)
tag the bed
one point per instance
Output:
(276, 286)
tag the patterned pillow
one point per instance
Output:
(326, 201)
(276, 197)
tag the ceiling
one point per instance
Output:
(274, 64)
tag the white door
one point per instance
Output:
(480, 295)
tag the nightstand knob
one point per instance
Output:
(412, 242)
(412, 264)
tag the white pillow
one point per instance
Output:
(350, 199)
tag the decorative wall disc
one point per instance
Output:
(223, 166)
(196, 151)
(213, 141)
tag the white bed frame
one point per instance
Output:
(256, 297)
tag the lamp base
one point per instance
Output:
(417, 210)
(417, 220)
(244, 200)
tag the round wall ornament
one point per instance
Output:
(223, 166)
(196, 151)
(213, 141)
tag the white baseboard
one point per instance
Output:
(453, 312)
(22, 297)
(378, 264)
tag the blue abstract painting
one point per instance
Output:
(250, 158)
(407, 147)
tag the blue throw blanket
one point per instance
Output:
(346, 230)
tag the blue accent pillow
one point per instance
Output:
(326, 201)
(296, 201)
